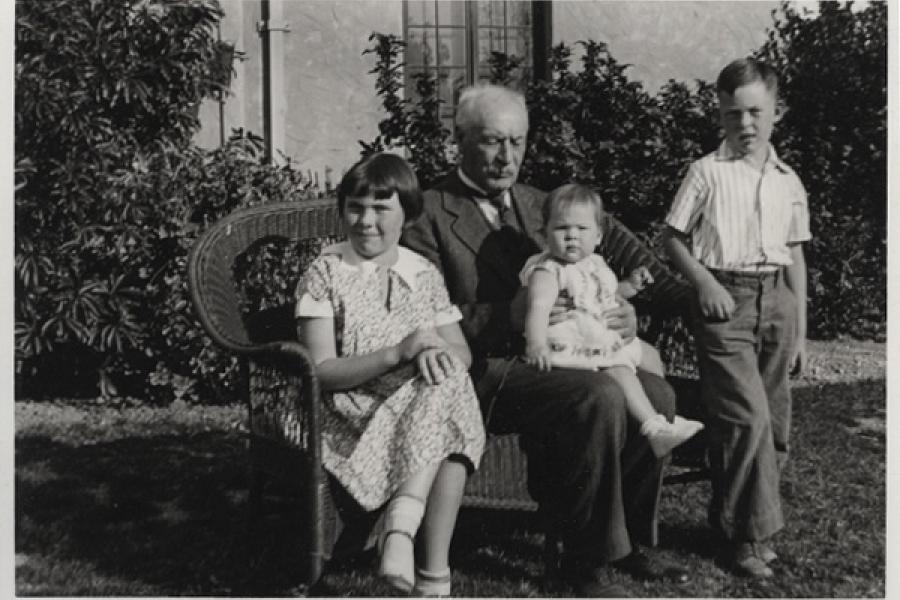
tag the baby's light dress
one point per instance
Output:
(376, 435)
(583, 340)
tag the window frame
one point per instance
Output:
(541, 39)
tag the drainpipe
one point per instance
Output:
(271, 28)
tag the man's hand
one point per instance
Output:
(715, 301)
(538, 355)
(622, 319)
(798, 358)
(640, 278)
(561, 310)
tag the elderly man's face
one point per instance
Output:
(492, 149)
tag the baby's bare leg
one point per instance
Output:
(636, 400)
(662, 435)
(650, 360)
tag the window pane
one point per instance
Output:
(490, 12)
(420, 12)
(519, 44)
(420, 47)
(451, 13)
(452, 44)
(518, 14)
(450, 82)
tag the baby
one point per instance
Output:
(570, 270)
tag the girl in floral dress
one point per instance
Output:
(402, 425)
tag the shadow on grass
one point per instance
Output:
(167, 515)
(166, 511)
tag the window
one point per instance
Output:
(454, 40)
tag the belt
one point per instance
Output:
(745, 276)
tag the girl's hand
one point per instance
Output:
(424, 338)
(715, 301)
(437, 364)
(538, 355)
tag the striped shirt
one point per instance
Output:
(740, 218)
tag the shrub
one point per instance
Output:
(833, 69)
(111, 192)
(597, 127)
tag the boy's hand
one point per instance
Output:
(538, 355)
(437, 364)
(798, 358)
(715, 301)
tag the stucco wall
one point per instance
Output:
(330, 100)
(329, 96)
(666, 39)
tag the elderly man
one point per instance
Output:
(602, 482)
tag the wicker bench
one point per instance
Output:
(283, 394)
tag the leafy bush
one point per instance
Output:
(834, 133)
(111, 192)
(597, 127)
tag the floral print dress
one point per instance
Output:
(379, 434)
(583, 340)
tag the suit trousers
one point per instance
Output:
(600, 481)
(744, 365)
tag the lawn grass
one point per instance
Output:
(153, 502)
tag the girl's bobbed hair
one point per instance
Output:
(380, 175)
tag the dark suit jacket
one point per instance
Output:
(481, 269)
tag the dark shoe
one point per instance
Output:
(591, 582)
(645, 567)
(749, 561)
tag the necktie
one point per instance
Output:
(506, 217)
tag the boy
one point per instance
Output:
(735, 231)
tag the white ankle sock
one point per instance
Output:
(653, 424)
(432, 583)
(404, 513)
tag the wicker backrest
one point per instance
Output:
(211, 261)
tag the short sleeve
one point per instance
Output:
(445, 312)
(799, 231)
(689, 200)
(538, 261)
(313, 293)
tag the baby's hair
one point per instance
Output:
(569, 194)
(744, 71)
(380, 175)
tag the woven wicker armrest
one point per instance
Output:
(624, 251)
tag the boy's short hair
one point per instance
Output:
(380, 175)
(569, 194)
(746, 70)
(485, 94)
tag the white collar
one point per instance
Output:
(725, 152)
(468, 181)
(408, 265)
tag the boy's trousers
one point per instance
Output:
(744, 367)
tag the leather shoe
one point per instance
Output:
(642, 566)
(591, 582)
